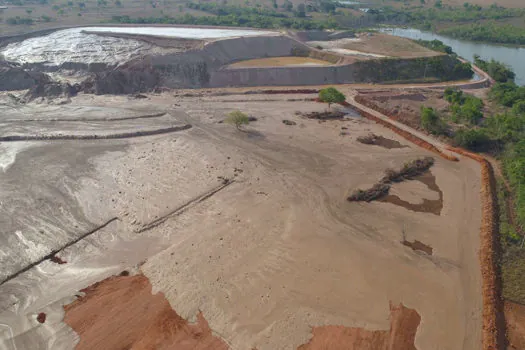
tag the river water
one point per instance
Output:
(514, 57)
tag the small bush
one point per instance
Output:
(238, 119)
(472, 139)
(431, 122)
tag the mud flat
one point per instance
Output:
(249, 229)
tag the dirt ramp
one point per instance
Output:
(121, 313)
(401, 336)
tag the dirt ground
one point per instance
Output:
(388, 45)
(265, 255)
(405, 106)
(139, 320)
(515, 317)
(280, 62)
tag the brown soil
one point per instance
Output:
(41, 318)
(403, 106)
(428, 205)
(378, 140)
(389, 45)
(417, 245)
(403, 327)
(326, 115)
(279, 62)
(121, 313)
(57, 260)
(515, 317)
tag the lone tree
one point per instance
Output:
(331, 95)
(237, 118)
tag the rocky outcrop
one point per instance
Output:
(50, 90)
(131, 78)
(14, 77)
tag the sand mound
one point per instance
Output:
(401, 336)
(121, 313)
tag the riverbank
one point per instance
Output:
(511, 56)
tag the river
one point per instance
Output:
(514, 57)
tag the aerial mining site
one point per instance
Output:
(184, 187)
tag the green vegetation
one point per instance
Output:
(497, 70)
(225, 10)
(331, 95)
(431, 122)
(502, 135)
(436, 45)
(232, 20)
(18, 20)
(429, 69)
(487, 32)
(466, 109)
(238, 119)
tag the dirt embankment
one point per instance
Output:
(401, 335)
(121, 313)
(494, 336)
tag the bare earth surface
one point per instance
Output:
(377, 44)
(280, 62)
(515, 317)
(139, 320)
(265, 257)
(405, 106)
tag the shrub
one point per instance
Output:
(430, 121)
(473, 139)
(238, 119)
(331, 95)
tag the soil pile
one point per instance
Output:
(50, 90)
(13, 77)
(403, 327)
(131, 78)
(121, 313)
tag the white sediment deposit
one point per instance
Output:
(76, 45)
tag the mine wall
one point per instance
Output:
(370, 71)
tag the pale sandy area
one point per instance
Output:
(266, 258)
(280, 62)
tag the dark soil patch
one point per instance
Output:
(326, 115)
(409, 171)
(417, 245)
(433, 206)
(41, 318)
(375, 192)
(57, 260)
(377, 140)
